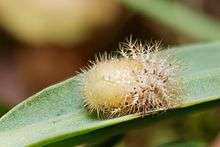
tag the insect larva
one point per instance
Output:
(140, 80)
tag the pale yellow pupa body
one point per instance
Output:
(139, 81)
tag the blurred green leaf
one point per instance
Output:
(185, 143)
(55, 116)
(109, 142)
(179, 17)
(3, 109)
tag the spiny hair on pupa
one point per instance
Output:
(139, 80)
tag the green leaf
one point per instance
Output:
(179, 17)
(185, 143)
(3, 109)
(109, 142)
(55, 116)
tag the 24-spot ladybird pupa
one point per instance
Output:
(140, 80)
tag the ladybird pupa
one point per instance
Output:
(139, 81)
